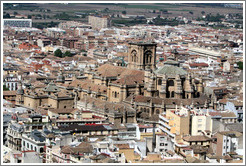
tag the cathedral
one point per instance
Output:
(140, 85)
(169, 81)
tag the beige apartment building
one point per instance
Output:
(98, 22)
(201, 123)
(175, 122)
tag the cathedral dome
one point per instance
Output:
(170, 70)
(51, 87)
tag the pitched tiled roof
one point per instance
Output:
(196, 138)
(231, 133)
(108, 70)
(198, 64)
(228, 114)
(63, 111)
(86, 84)
(9, 93)
(130, 80)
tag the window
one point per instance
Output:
(159, 82)
(65, 106)
(172, 94)
(161, 144)
(199, 120)
(147, 56)
(170, 83)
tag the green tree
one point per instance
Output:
(29, 16)
(58, 53)
(123, 12)
(106, 10)
(190, 12)
(202, 12)
(6, 16)
(5, 88)
(15, 13)
(67, 53)
(240, 65)
(163, 10)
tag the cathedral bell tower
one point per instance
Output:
(19, 95)
(142, 55)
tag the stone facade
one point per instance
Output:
(51, 96)
(142, 56)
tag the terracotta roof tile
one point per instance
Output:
(196, 138)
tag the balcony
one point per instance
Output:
(163, 118)
(165, 125)
(166, 131)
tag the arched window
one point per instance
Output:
(172, 94)
(159, 82)
(147, 57)
(115, 94)
(134, 56)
